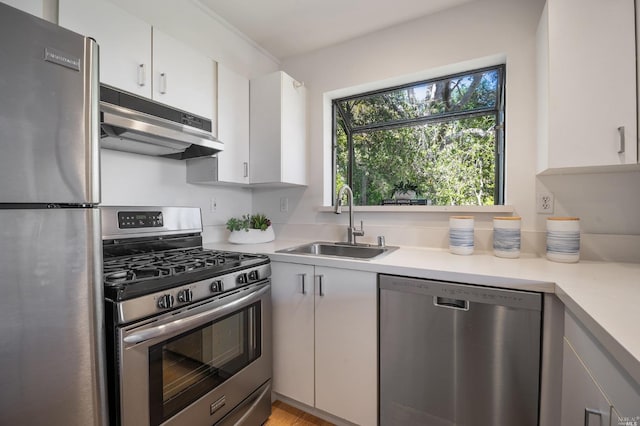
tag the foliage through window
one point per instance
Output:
(435, 142)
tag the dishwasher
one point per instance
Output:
(457, 354)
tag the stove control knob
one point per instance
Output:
(216, 286)
(242, 279)
(165, 301)
(185, 296)
(253, 275)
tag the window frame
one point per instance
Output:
(500, 128)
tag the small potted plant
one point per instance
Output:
(405, 191)
(250, 229)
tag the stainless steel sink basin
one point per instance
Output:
(321, 248)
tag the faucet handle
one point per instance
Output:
(381, 241)
(359, 232)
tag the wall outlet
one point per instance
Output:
(544, 203)
(213, 205)
(284, 204)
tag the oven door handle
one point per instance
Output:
(187, 323)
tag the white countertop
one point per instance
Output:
(605, 296)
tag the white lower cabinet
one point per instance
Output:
(325, 339)
(596, 390)
(292, 298)
(583, 403)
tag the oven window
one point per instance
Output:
(188, 366)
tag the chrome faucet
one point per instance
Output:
(352, 232)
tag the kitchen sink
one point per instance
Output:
(359, 251)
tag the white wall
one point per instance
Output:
(481, 29)
(133, 179)
(607, 203)
(140, 180)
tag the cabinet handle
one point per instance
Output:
(163, 83)
(621, 134)
(303, 277)
(246, 169)
(320, 292)
(142, 75)
(587, 415)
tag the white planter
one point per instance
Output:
(252, 236)
(404, 195)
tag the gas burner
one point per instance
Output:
(118, 277)
(155, 265)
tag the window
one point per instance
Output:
(434, 142)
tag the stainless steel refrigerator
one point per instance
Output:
(51, 304)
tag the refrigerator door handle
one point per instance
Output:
(92, 120)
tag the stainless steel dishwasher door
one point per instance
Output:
(455, 354)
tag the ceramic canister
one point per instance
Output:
(506, 236)
(563, 239)
(461, 234)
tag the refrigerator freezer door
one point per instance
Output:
(49, 123)
(51, 318)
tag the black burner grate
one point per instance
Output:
(141, 267)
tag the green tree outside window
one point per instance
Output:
(438, 142)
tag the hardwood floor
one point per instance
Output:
(286, 415)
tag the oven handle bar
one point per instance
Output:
(187, 323)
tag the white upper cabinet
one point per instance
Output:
(278, 130)
(231, 166)
(33, 7)
(182, 77)
(125, 48)
(233, 126)
(587, 84)
(137, 58)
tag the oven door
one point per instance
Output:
(194, 366)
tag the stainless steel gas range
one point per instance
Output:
(188, 329)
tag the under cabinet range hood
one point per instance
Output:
(134, 124)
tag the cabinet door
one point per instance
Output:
(346, 344)
(124, 40)
(182, 77)
(278, 130)
(592, 82)
(293, 349)
(233, 126)
(294, 131)
(583, 403)
(33, 7)
(265, 136)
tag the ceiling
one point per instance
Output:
(290, 27)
